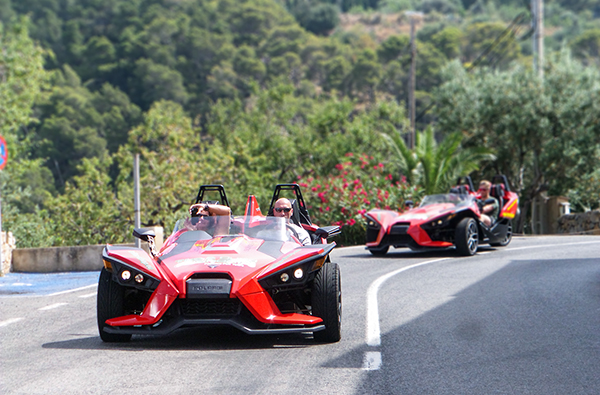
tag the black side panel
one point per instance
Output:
(271, 248)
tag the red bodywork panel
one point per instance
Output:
(238, 256)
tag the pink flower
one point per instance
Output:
(351, 221)
(349, 154)
(403, 179)
(339, 166)
(362, 212)
(380, 165)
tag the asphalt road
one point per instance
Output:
(524, 319)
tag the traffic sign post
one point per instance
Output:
(3, 159)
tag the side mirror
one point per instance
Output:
(144, 234)
(409, 204)
(328, 231)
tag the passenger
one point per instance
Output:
(283, 208)
(489, 212)
(212, 216)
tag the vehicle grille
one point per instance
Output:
(200, 308)
(399, 228)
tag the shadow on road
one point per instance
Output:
(214, 338)
(406, 253)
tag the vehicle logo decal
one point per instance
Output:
(143, 259)
(214, 262)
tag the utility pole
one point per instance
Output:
(136, 195)
(537, 9)
(414, 17)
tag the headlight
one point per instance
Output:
(123, 274)
(298, 273)
(442, 221)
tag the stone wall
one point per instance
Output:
(580, 223)
(65, 259)
(8, 245)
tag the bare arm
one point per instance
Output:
(222, 213)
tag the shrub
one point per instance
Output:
(356, 186)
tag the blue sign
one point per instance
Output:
(3, 153)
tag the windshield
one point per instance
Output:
(449, 198)
(257, 227)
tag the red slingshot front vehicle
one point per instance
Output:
(258, 278)
(445, 220)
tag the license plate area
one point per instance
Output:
(208, 288)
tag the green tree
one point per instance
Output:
(436, 166)
(24, 181)
(586, 47)
(545, 134)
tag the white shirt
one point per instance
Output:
(302, 234)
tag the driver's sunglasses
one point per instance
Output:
(286, 209)
(483, 189)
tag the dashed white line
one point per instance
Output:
(73, 290)
(372, 360)
(52, 306)
(88, 295)
(10, 321)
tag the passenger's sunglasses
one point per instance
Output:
(286, 209)
(483, 189)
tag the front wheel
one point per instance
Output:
(327, 303)
(379, 251)
(109, 305)
(467, 237)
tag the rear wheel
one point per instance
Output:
(379, 251)
(506, 239)
(327, 303)
(467, 237)
(109, 305)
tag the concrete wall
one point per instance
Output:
(66, 259)
(8, 245)
(58, 259)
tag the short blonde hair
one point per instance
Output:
(486, 183)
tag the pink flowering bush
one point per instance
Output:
(357, 185)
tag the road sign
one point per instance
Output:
(3, 153)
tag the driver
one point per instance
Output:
(489, 212)
(212, 216)
(283, 208)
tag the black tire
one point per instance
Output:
(379, 251)
(109, 305)
(506, 239)
(327, 303)
(466, 238)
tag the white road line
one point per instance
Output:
(372, 360)
(373, 335)
(10, 321)
(52, 306)
(73, 290)
(553, 245)
(88, 295)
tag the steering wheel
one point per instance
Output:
(290, 227)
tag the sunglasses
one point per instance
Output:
(286, 209)
(484, 189)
